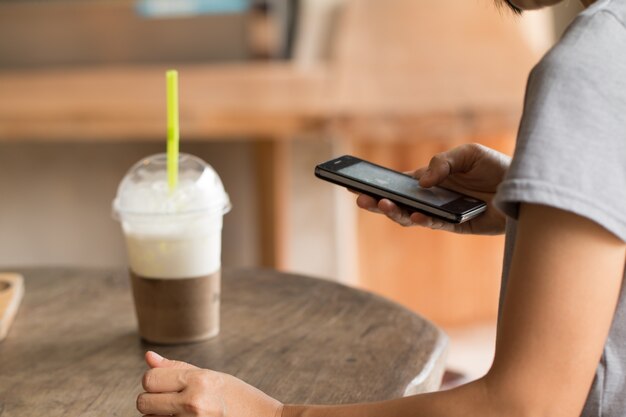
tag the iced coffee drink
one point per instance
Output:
(173, 240)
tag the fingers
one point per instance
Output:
(413, 219)
(388, 208)
(418, 173)
(384, 206)
(439, 168)
(368, 203)
(159, 404)
(456, 160)
(420, 219)
(154, 360)
(400, 216)
(164, 380)
(196, 397)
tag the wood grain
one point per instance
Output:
(74, 349)
(11, 293)
(127, 102)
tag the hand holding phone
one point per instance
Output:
(404, 190)
(471, 169)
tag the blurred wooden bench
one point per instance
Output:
(266, 100)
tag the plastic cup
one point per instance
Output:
(174, 242)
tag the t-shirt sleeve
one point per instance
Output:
(571, 146)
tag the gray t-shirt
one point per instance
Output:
(571, 154)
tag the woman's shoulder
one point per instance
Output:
(586, 67)
(614, 8)
(594, 42)
(571, 146)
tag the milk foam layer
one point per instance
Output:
(165, 247)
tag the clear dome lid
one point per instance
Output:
(145, 191)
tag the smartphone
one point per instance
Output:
(404, 190)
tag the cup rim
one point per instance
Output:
(118, 213)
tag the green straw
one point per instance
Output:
(172, 129)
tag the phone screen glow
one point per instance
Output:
(400, 184)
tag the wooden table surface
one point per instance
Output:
(74, 348)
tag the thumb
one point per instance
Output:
(418, 173)
(438, 170)
(457, 160)
(154, 360)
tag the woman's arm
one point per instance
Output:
(564, 284)
(563, 287)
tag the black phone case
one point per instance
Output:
(409, 209)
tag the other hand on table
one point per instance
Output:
(180, 389)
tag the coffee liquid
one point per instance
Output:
(171, 311)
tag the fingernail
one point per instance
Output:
(157, 356)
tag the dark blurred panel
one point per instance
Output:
(80, 32)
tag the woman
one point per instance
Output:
(561, 342)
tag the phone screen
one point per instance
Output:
(398, 183)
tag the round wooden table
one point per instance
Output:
(74, 349)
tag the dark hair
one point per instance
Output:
(511, 6)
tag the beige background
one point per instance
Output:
(56, 201)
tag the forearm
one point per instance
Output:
(467, 401)
(564, 283)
